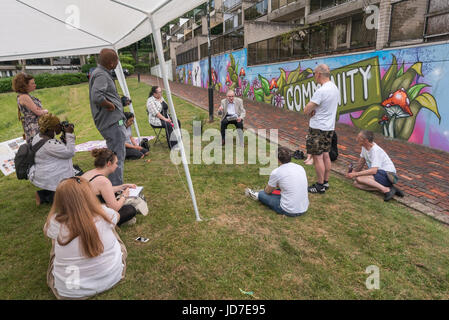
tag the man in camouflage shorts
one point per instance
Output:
(322, 110)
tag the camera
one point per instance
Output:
(65, 125)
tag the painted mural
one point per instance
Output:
(400, 93)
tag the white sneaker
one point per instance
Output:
(252, 194)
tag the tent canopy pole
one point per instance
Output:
(160, 54)
(122, 81)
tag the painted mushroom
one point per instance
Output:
(384, 123)
(397, 106)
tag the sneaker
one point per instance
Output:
(399, 192)
(130, 222)
(252, 194)
(389, 195)
(326, 185)
(314, 188)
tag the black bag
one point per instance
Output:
(298, 155)
(24, 158)
(334, 148)
(77, 170)
(145, 144)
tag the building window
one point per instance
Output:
(187, 57)
(262, 52)
(360, 35)
(407, 20)
(437, 20)
(256, 11)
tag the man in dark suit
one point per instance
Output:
(232, 112)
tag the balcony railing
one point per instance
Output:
(230, 4)
(256, 11)
(231, 23)
(318, 5)
(276, 4)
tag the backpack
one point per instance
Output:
(24, 158)
(145, 144)
(333, 154)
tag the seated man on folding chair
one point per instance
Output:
(158, 116)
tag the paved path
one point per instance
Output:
(423, 172)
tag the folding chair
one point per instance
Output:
(157, 132)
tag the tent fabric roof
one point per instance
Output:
(49, 28)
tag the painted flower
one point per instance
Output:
(273, 84)
(278, 101)
(242, 72)
(244, 83)
(256, 84)
(251, 94)
(228, 81)
(238, 91)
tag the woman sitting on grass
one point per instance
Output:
(133, 150)
(87, 255)
(106, 163)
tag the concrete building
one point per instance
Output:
(279, 30)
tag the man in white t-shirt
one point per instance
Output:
(291, 199)
(322, 110)
(381, 173)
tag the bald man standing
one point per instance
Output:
(322, 110)
(107, 110)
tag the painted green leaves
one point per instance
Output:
(396, 117)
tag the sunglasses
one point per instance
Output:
(77, 179)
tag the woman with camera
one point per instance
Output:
(87, 255)
(29, 107)
(133, 150)
(113, 197)
(52, 161)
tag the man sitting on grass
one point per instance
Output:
(381, 172)
(291, 179)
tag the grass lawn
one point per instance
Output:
(241, 244)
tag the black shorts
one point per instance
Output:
(319, 141)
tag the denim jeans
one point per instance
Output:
(273, 201)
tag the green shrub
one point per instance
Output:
(5, 84)
(143, 67)
(127, 59)
(130, 67)
(91, 60)
(86, 67)
(47, 80)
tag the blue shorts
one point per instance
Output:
(382, 178)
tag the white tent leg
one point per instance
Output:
(122, 81)
(160, 54)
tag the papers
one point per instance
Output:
(97, 144)
(8, 150)
(135, 192)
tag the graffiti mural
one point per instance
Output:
(400, 93)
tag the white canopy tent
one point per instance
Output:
(50, 28)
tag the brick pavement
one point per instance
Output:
(423, 172)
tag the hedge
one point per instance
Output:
(130, 67)
(143, 67)
(47, 80)
(127, 59)
(86, 67)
